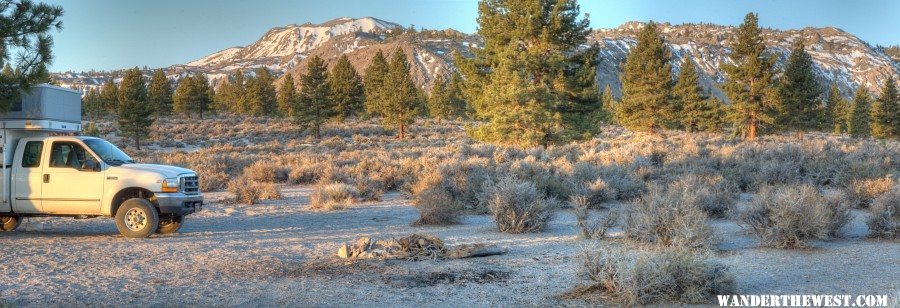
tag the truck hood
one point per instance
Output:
(164, 170)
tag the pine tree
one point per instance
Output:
(400, 108)
(238, 95)
(160, 93)
(439, 103)
(230, 95)
(193, 95)
(886, 112)
(314, 107)
(260, 95)
(91, 129)
(347, 91)
(647, 84)
(375, 93)
(860, 114)
(109, 96)
(520, 83)
(750, 84)
(93, 106)
(689, 95)
(610, 105)
(798, 107)
(709, 114)
(25, 29)
(134, 110)
(287, 96)
(839, 110)
(457, 97)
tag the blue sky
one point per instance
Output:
(112, 34)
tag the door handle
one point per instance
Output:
(46, 178)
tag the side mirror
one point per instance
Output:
(90, 165)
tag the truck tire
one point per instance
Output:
(137, 218)
(170, 225)
(9, 223)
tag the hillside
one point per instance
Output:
(839, 56)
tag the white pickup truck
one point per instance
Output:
(46, 173)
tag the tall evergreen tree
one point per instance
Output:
(400, 108)
(689, 95)
(799, 108)
(859, 125)
(287, 96)
(610, 105)
(109, 96)
(347, 91)
(750, 84)
(160, 93)
(375, 92)
(260, 95)
(457, 97)
(230, 95)
(192, 95)
(314, 107)
(838, 110)
(439, 103)
(886, 112)
(647, 84)
(134, 110)
(24, 29)
(92, 106)
(521, 82)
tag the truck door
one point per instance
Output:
(69, 187)
(27, 177)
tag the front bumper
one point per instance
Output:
(179, 203)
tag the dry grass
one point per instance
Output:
(251, 192)
(332, 196)
(790, 216)
(658, 276)
(615, 166)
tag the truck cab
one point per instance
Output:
(83, 177)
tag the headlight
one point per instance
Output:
(171, 185)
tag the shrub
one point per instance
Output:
(670, 275)
(591, 229)
(617, 179)
(249, 192)
(885, 211)
(266, 172)
(332, 196)
(668, 218)
(434, 201)
(861, 192)
(712, 194)
(518, 207)
(789, 216)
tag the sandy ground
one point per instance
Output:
(280, 253)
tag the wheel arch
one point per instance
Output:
(127, 193)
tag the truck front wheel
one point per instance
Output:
(137, 218)
(9, 223)
(170, 225)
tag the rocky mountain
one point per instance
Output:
(284, 49)
(839, 56)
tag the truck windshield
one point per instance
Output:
(108, 152)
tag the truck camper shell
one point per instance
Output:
(41, 111)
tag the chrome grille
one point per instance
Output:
(190, 184)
